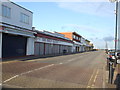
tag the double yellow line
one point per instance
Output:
(93, 78)
(5, 62)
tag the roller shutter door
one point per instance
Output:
(13, 46)
(42, 48)
(46, 49)
(39, 49)
(50, 49)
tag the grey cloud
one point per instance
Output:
(109, 38)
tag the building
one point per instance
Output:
(51, 43)
(89, 46)
(76, 38)
(83, 46)
(16, 35)
(80, 44)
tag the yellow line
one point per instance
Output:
(36, 60)
(8, 62)
(88, 86)
(95, 78)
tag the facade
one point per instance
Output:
(18, 38)
(89, 46)
(76, 38)
(83, 41)
(80, 44)
(48, 43)
(16, 35)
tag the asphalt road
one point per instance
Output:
(82, 70)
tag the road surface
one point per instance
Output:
(82, 70)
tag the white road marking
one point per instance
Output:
(10, 78)
(27, 72)
(60, 63)
(72, 60)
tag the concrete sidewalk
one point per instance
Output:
(25, 58)
(116, 78)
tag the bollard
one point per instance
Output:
(110, 72)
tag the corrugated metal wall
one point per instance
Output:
(39, 48)
(51, 49)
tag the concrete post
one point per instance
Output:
(118, 26)
(30, 46)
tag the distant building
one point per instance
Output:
(80, 44)
(76, 38)
(16, 35)
(48, 43)
(83, 46)
(89, 46)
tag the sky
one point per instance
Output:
(94, 21)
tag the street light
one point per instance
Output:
(116, 31)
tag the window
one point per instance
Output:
(6, 11)
(24, 18)
(74, 36)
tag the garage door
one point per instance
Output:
(39, 48)
(13, 46)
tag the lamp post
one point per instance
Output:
(116, 30)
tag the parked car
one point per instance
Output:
(118, 55)
(111, 56)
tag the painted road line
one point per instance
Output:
(60, 63)
(89, 86)
(104, 75)
(36, 60)
(27, 72)
(9, 62)
(74, 59)
(11, 78)
(95, 78)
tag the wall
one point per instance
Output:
(67, 34)
(0, 45)
(30, 46)
(40, 39)
(15, 16)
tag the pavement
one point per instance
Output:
(81, 70)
